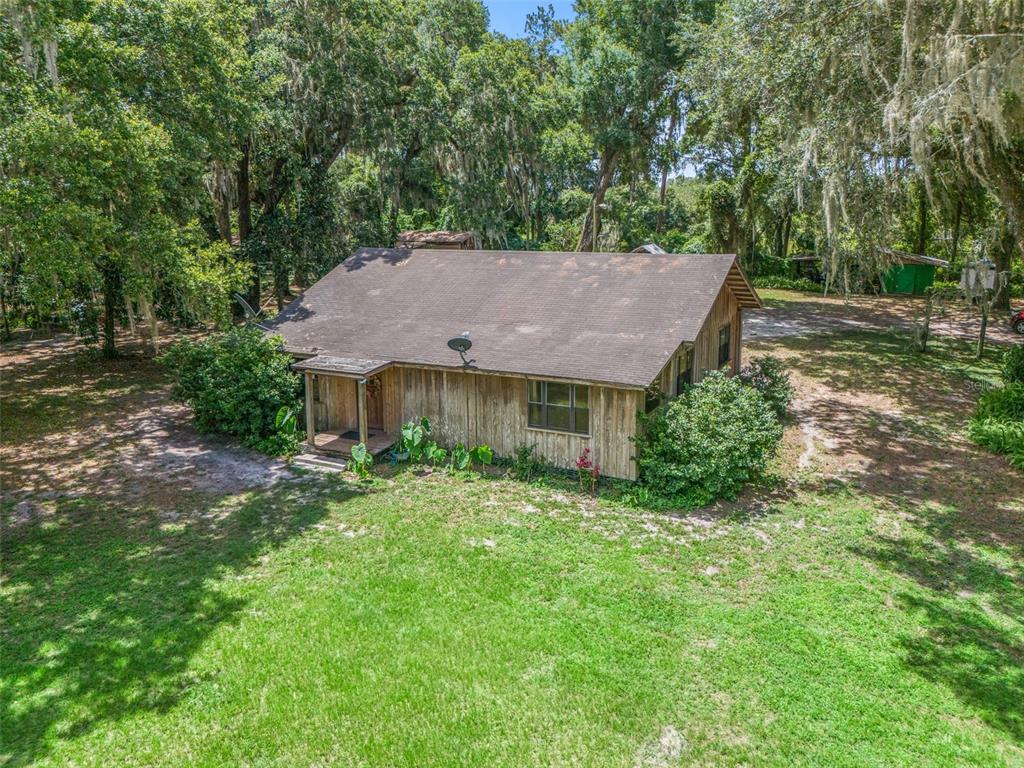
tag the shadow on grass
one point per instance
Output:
(103, 607)
(895, 420)
(970, 595)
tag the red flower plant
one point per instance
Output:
(588, 471)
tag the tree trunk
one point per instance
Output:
(151, 322)
(956, 232)
(659, 226)
(131, 314)
(1003, 253)
(592, 227)
(111, 288)
(224, 219)
(984, 326)
(922, 223)
(245, 224)
(3, 311)
(785, 235)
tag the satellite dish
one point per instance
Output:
(461, 344)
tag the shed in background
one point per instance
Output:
(912, 273)
(426, 238)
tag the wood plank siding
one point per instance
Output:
(480, 408)
(725, 310)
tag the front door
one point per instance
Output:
(374, 404)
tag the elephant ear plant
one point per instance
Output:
(412, 444)
(362, 460)
(288, 437)
(481, 455)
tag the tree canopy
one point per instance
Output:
(157, 155)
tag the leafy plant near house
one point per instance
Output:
(588, 471)
(526, 465)
(708, 442)
(434, 454)
(288, 437)
(459, 458)
(236, 383)
(361, 460)
(412, 443)
(769, 377)
(481, 455)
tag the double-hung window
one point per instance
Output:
(559, 406)
(724, 337)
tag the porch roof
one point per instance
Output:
(342, 366)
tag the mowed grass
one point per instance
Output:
(427, 620)
(434, 621)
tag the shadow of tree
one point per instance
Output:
(970, 597)
(76, 424)
(894, 423)
(105, 606)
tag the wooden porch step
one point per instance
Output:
(319, 463)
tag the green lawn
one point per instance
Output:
(429, 620)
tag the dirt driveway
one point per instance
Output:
(789, 313)
(75, 424)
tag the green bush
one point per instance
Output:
(526, 465)
(236, 384)
(1002, 404)
(768, 376)
(1005, 437)
(1013, 365)
(786, 283)
(998, 422)
(708, 442)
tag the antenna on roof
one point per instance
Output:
(461, 344)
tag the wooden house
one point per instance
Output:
(566, 347)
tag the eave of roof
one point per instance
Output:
(341, 366)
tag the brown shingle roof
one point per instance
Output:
(605, 317)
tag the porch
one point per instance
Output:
(344, 404)
(339, 442)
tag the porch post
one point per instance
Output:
(361, 410)
(310, 422)
(673, 375)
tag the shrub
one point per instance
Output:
(786, 283)
(1013, 365)
(998, 422)
(413, 443)
(588, 471)
(526, 465)
(1002, 404)
(707, 442)
(458, 459)
(361, 461)
(768, 376)
(236, 383)
(481, 454)
(1005, 437)
(434, 454)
